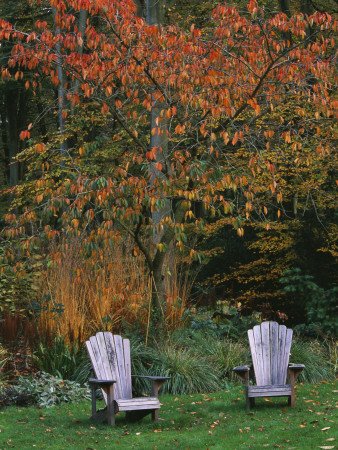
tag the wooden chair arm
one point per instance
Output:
(101, 383)
(243, 372)
(241, 369)
(153, 378)
(156, 383)
(294, 370)
(293, 366)
(108, 387)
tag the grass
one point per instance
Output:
(197, 421)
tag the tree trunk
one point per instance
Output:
(158, 140)
(11, 102)
(61, 92)
(284, 6)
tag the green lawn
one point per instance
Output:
(202, 421)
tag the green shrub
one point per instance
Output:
(190, 371)
(58, 358)
(3, 360)
(313, 355)
(223, 352)
(224, 321)
(227, 355)
(49, 390)
(320, 305)
(331, 346)
(10, 397)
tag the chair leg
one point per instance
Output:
(110, 406)
(252, 402)
(154, 415)
(93, 389)
(292, 396)
(248, 402)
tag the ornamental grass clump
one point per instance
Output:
(317, 365)
(190, 371)
(227, 355)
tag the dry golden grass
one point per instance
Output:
(104, 291)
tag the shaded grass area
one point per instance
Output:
(217, 420)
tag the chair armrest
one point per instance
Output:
(101, 382)
(241, 369)
(296, 366)
(152, 378)
(243, 372)
(156, 383)
(294, 370)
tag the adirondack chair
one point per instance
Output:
(270, 346)
(110, 357)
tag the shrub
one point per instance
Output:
(313, 355)
(58, 358)
(3, 360)
(320, 305)
(10, 396)
(190, 371)
(224, 321)
(48, 390)
(332, 350)
(227, 355)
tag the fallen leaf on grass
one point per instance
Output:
(330, 439)
(326, 447)
(302, 426)
(326, 428)
(267, 400)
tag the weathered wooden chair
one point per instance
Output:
(110, 357)
(270, 346)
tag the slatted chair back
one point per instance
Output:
(110, 357)
(270, 345)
